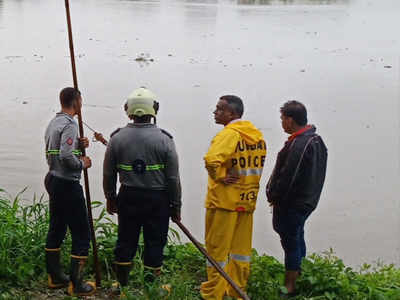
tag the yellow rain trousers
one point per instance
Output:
(228, 241)
(241, 150)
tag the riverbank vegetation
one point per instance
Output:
(23, 230)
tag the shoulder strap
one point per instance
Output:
(166, 133)
(115, 131)
(300, 160)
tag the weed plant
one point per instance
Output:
(23, 229)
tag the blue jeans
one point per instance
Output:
(289, 224)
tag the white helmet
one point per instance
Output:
(141, 102)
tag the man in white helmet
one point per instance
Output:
(146, 161)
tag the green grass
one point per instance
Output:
(23, 230)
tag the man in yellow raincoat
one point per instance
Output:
(234, 162)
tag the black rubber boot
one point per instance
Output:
(55, 276)
(121, 270)
(77, 287)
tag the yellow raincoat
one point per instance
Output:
(238, 149)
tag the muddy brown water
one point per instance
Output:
(341, 58)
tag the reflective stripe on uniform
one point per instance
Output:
(52, 250)
(53, 152)
(122, 263)
(148, 168)
(152, 268)
(242, 258)
(155, 167)
(250, 172)
(79, 256)
(57, 152)
(125, 167)
(222, 264)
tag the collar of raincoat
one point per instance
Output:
(247, 130)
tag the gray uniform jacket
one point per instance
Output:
(62, 147)
(145, 157)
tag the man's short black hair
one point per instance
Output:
(235, 103)
(296, 110)
(68, 95)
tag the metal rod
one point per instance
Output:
(85, 172)
(97, 136)
(212, 261)
(88, 127)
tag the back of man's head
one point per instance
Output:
(234, 103)
(68, 95)
(141, 119)
(295, 110)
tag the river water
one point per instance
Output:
(341, 58)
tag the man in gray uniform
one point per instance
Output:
(67, 202)
(146, 161)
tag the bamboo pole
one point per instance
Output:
(85, 172)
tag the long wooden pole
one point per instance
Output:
(85, 172)
(242, 294)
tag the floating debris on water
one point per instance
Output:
(13, 56)
(144, 57)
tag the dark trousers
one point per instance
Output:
(137, 209)
(67, 210)
(289, 224)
